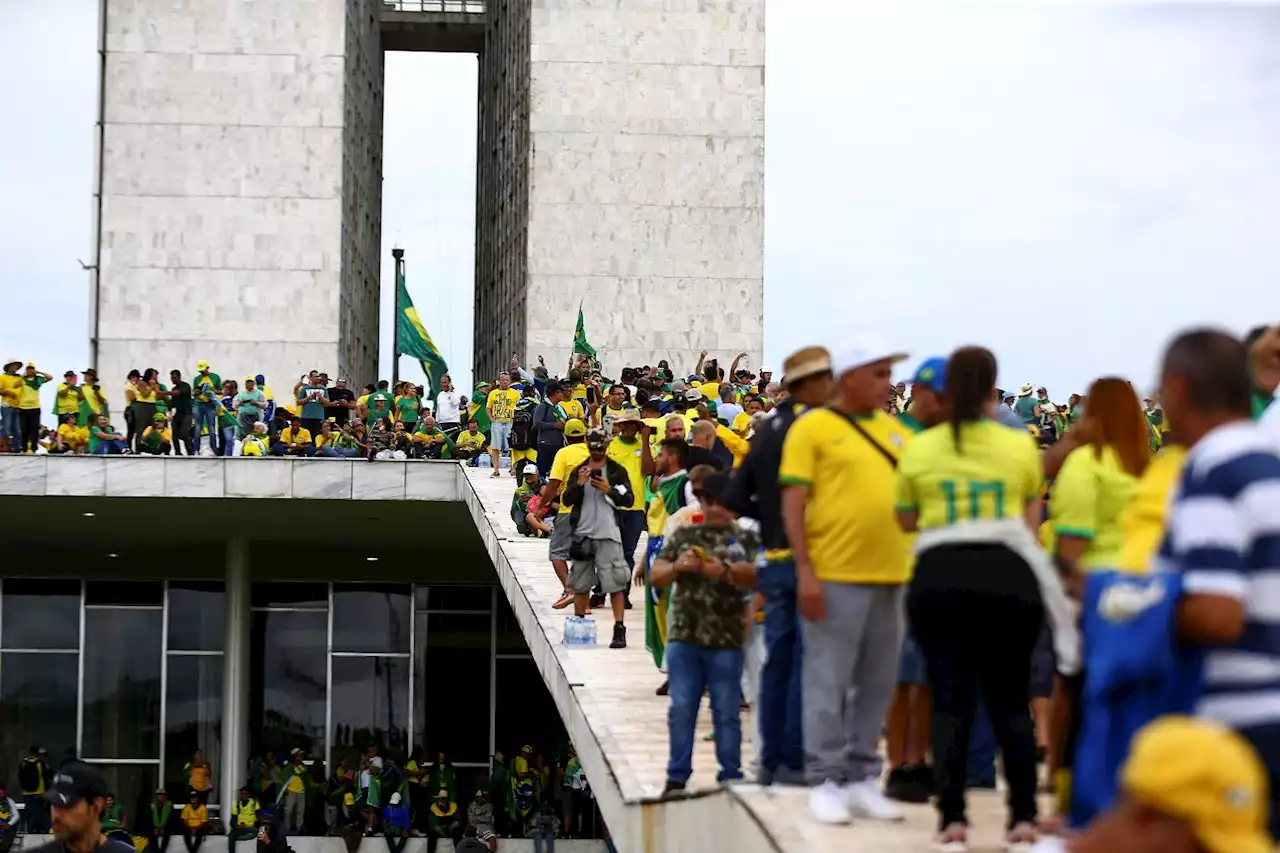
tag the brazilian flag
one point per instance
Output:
(580, 345)
(412, 338)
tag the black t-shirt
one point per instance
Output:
(340, 395)
(180, 402)
(108, 845)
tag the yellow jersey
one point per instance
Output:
(10, 389)
(467, 440)
(1086, 500)
(567, 460)
(288, 436)
(629, 455)
(502, 405)
(994, 475)
(67, 401)
(1143, 518)
(850, 528)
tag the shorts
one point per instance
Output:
(1043, 664)
(607, 567)
(911, 664)
(518, 456)
(561, 537)
(500, 436)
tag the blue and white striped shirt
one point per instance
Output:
(1223, 534)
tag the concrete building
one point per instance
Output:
(620, 165)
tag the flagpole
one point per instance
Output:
(398, 254)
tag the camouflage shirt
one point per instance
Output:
(707, 612)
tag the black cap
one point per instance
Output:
(73, 783)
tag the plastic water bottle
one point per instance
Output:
(572, 630)
(588, 631)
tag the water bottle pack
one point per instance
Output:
(579, 631)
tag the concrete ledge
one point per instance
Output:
(197, 477)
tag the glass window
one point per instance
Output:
(196, 616)
(289, 679)
(285, 594)
(193, 718)
(122, 658)
(42, 614)
(525, 713)
(134, 786)
(371, 617)
(452, 684)
(370, 705)
(37, 707)
(510, 640)
(452, 597)
(137, 593)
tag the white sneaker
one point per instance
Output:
(864, 799)
(827, 805)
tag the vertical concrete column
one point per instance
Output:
(235, 674)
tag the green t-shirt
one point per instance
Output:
(1026, 408)
(408, 407)
(96, 434)
(379, 405)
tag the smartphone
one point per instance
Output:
(596, 475)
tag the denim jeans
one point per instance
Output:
(206, 414)
(228, 440)
(110, 447)
(691, 670)
(9, 423)
(779, 705)
(395, 840)
(544, 840)
(981, 769)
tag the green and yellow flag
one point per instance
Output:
(580, 345)
(412, 338)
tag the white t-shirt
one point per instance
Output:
(449, 407)
(376, 761)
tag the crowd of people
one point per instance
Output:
(377, 794)
(965, 569)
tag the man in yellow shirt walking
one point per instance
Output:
(851, 566)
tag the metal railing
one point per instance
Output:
(465, 7)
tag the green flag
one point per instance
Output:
(580, 345)
(412, 338)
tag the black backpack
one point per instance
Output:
(29, 775)
(522, 430)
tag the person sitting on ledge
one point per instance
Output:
(293, 440)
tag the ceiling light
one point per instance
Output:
(88, 515)
(113, 556)
(372, 559)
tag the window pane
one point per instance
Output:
(37, 706)
(510, 640)
(370, 705)
(124, 592)
(371, 617)
(456, 653)
(122, 683)
(452, 597)
(122, 658)
(289, 655)
(195, 616)
(284, 594)
(193, 716)
(41, 614)
(134, 786)
(525, 713)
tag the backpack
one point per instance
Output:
(29, 775)
(522, 430)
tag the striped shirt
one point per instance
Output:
(1223, 534)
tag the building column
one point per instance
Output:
(235, 675)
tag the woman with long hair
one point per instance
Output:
(1087, 505)
(973, 488)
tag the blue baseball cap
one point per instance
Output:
(932, 374)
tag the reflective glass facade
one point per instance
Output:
(129, 675)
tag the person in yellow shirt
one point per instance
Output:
(293, 794)
(851, 568)
(67, 399)
(195, 822)
(470, 442)
(68, 438)
(501, 408)
(632, 451)
(973, 488)
(566, 462)
(10, 396)
(29, 406)
(293, 440)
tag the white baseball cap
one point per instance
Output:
(765, 369)
(862, 352)
(529, 468)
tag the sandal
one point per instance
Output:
(1021, 838)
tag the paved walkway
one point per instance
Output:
(618, 724)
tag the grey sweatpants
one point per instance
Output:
(850, 671)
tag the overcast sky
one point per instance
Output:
(1067, 184)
